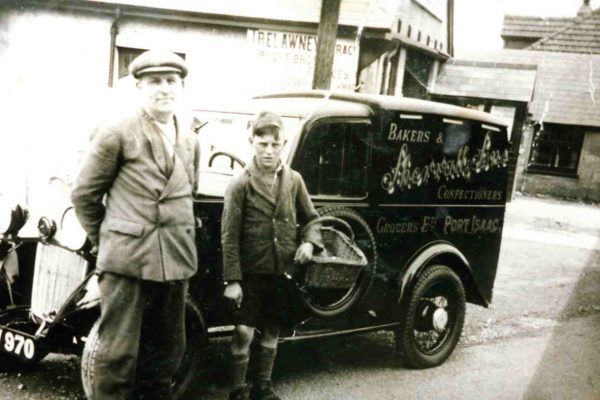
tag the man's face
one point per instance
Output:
(267, 150)
(160, 92)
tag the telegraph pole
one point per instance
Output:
(330, 11)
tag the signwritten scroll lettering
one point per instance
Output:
(404, 175)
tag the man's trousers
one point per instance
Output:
(141, 337)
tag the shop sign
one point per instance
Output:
(286, 60)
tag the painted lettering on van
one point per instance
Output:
(471, 226)
(404, 175)
(392, 227)
(446, 193)
(448, 225)
(408, 135)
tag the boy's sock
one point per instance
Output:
(239, 367)
(265, 358)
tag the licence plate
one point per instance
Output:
(17, 343)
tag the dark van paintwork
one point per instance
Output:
(427, 180)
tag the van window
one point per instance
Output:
(333, 159)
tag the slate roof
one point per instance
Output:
(532, 27)
(582, 35)
(490, 80)
(567, 85)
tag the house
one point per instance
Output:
(559, 153)
(58, 58)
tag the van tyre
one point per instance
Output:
(366, 242)
(192, 372)
(433, 319)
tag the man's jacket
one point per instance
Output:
(260, 238)
(145, 226)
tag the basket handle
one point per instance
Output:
(340, 224)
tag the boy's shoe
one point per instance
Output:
(241, 393)
(262, 391)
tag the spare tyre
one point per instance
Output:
(327, 302)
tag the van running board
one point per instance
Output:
(297, 336)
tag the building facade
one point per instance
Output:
(65, 62)
(561, 145)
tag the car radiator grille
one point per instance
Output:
(57, 274)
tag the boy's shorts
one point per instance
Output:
(265, 298)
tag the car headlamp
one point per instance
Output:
(71, 234)
(12, 219)
(46, 228)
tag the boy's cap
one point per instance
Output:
(157, 61)
(266, 119)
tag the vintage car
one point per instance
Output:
(422, 185)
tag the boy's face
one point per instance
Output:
(267, 149)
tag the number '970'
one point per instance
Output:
(17, 344)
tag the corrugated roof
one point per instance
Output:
(532, 27)
(567, 85)
(352, 12)
(501, 81)
(582, 35)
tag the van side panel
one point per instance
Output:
(434, 179)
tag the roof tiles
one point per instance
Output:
(486, 80)
(567, 85)
(580, 36)
(532, 27)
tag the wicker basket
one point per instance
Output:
(340, 262)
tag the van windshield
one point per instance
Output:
(225, 149)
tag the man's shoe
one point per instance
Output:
(262, 391)
(241, 393)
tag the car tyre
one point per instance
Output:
(433, 318)
(192, 372)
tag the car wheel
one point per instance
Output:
(433, 319)
(192, 373)
(20, 319)
(329, 303)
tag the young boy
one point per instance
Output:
(259, 231)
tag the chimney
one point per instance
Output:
(585, 9)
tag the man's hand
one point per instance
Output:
(233, 291)
(304, 253)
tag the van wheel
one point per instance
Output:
(192, 373)
(329, 303)
(433, 319)
(20, 319)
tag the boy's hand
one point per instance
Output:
(304, 253)
(233, 291)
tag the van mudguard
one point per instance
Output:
(445, 253)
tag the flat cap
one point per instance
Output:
(157, 61)
(266, 119)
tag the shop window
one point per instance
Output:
(333, 159)
(126, 55)
(555, 150)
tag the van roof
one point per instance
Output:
(362, 104)
(320, 103)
